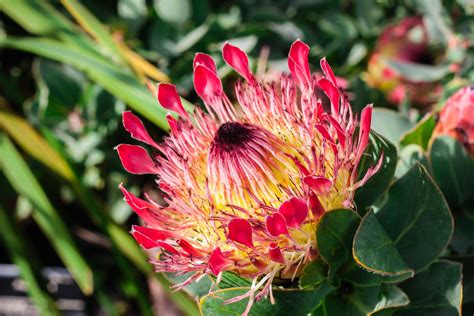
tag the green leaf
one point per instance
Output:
(409, 156)
(419, 72)
(358, 276)
(453, 169)
(173, 11)
(118, 82)
(417, 218)
(196, 289)
(334, 234)
(374, 250)
(361, 301)
(435, 291)
(420, 134)
(230, 280)
(314, 273)
(22, 257)
(22, 179)
(378, 184)
(63, 84)
(390, 124)
(298, 302)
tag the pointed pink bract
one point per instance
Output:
(169, 99)
(276, 225)
(201, 59)
(217, 261)
(320, 185)
(206, 84)
(135, 127)
(294, 211)
(298, 63)
(240, 231)
(274, 252)
(333, 94)
(364, 132)
(328, 71)
(238, 60)
(135, 159)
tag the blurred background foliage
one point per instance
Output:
(68, 70)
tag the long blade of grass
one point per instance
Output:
(24, 182)
(41, 18)
(33, 143)
(22, 258)
(37, 17)
(95, 28)
(120, 83)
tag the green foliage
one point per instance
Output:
(22, 179)
(415, 208)
(378, 148)
(421, 132)
(375, 251)
(334, 235)
(299, 302)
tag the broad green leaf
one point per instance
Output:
(173, 11)
(334, 234)
(375, 251)
(118, 82)
(419, 72)
(196, 289)
(417, 218)
(453, 170)
(314, 273)
(390, 124)
(358, 276)
(408, 157)
(435, 291)
(378, 184)
(361, 301)
(23, 181)
(230, 280)
(295, 301)
(420, 134)
(63, 84)
(22, 257)
(33, 143)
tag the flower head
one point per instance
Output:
(246, 184)
(405, 42)
(456, 118)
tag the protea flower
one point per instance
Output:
(407, 42)
(245, 184)
(456, 118)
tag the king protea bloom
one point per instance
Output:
(406, 42)
(456, 118)
(246, 183)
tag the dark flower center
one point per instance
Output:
(231, 135)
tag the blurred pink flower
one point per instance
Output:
(456, 118)
(406, 41)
